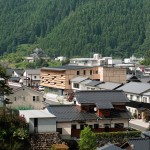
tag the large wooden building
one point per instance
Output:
(57, 79)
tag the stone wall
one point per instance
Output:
(44, 141)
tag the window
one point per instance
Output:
(119, 125)
(33, 98)
(96, 126)
(91, 72)
(76, 85)
(91, 126)
(78, 72)
(35, 122)
(81, 126)
(96, 71)
(59, 130)
(34, 77)
(73, 126)
(137, 98)
(131, 97)
(84, 72)
(69, 82)
(145, 99)
(14, 98)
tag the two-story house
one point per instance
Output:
(31, 77)
(102, 111)
(25, 98)
(138, 94)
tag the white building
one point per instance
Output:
(39, 120)
(97, 60)
(60, 58)
(139, 95)
(133, 59)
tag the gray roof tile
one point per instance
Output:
(93, 83)
(109, 85)
(67, 67)
(85, 82)
(70, 113)
(79, 79)
(135, 87)
(102, 105)
(33, 71)
(104, 96)
(109, 147)
(140, 144)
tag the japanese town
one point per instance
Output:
(74, 75)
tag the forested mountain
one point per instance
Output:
(76, 27)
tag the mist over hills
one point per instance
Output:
(76, 27)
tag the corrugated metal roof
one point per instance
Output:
(93, 83)
(135, 87)
(33, 71)
(36, 113)
(67, 67)
(108, 85)
(85, 82)
(79, 79)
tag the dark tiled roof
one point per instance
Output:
(93, 83)
(102, 105)
(120, 114)
(138, 105)
(109, 147)
(104, 96)
(70, 113)
(9, 71)
(139, 144)
(67, 67)
(19, 71)
(14, 79)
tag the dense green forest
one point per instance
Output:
(76, 27)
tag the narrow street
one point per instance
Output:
(139, 124)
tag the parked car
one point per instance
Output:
(41, 88)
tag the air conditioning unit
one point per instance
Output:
(95, 108)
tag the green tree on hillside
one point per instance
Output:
(4, 88)
(87, 139)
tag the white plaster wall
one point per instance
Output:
(148, 99)
(44, 125)
(112, 122)
(66, 128)
(134, 97)
(131, 109)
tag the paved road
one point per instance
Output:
(142, 129)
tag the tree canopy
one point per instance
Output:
(4, 88)
(87, 139)
(76, 27)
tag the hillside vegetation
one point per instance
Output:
(76, 27)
